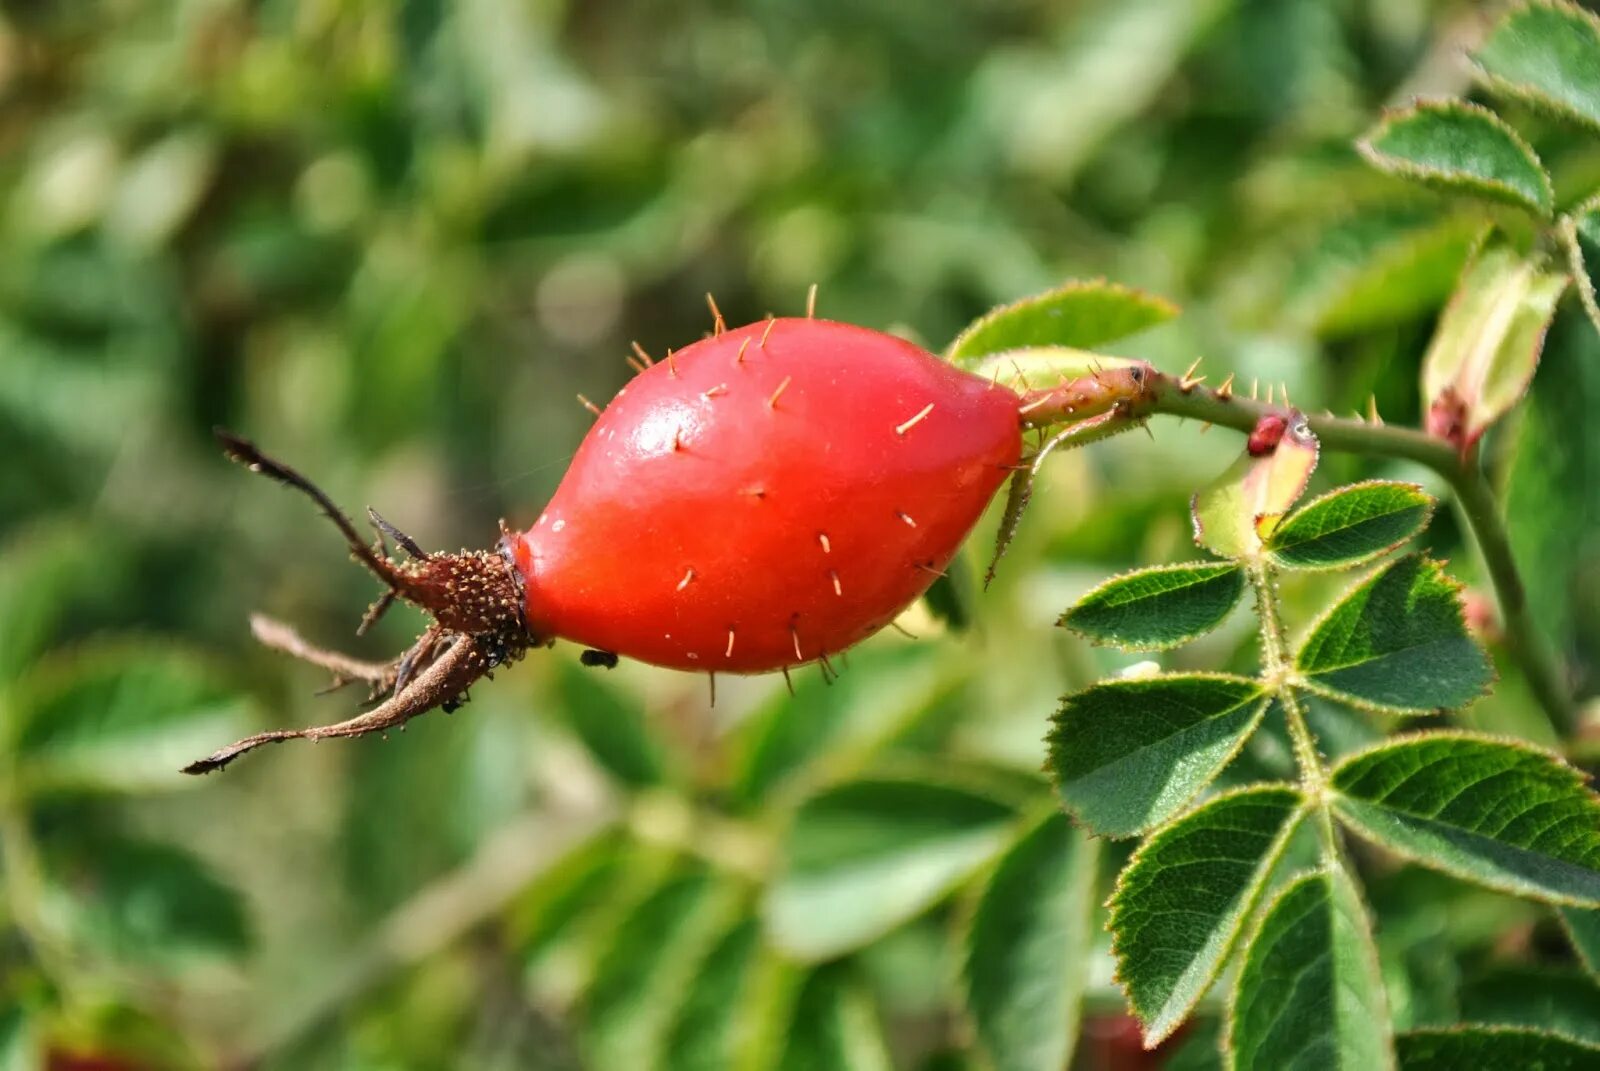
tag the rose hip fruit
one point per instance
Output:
(766, 497)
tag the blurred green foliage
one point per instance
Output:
(390, 242)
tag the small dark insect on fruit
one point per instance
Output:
(761, 499)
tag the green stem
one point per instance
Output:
(1523, 640)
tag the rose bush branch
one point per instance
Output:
(1179, 396)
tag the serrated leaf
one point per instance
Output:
(1080, 315)
(1350, 525)
(835, 1025)
(139, 900)
(1242, 507)
(1159, 607)
(1507, 1047)
(1583, 928)
(1547, 53)
(1396, 642)
(1185, 895)
(1027, 951)
(1309, 995)
(950, 597)
(1128, 754)
(1462, 148)
(118, 717)
(862, 857)
(1493, 812)
(1487, 342)
(613, 729)
(642, 978)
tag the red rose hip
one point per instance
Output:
(766, 497)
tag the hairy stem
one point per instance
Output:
(1275, 668)
(1525, 643)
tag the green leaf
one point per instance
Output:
(1043, 367)
(1583, 927)
(1506, 1047)
(1183, 898)
(119, 717)
(1309, 994)
(1543, 997)
(1374, 270)
(1461, 148)
(1080, 315)
(42, 575)
(1159, 607)
(613, 729)
(1547, 53)
(1240, 508)
(643, 977)
(863, 857)
(1127, 754)
(1396, 643)
(1487, 342)
(1581, 230)
(139, 900)
(835, 1025)
(711, 1028)
(1350, 525)
(547, 909)
(1027, 951)
(21, 1046)
(1500, 814)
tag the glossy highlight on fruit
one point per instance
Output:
(766, 497)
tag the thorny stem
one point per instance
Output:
(1525, 643)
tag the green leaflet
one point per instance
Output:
(1181, 901)
(1127, 754)
(1544, 997)
(1350, 525)
(1027, 952)
(1159, 607)
(1583, 927)
(1581, 230)
(1081, 314)
(1309, 996)
(863, 857)
(1497, 813)
(1548, 53)
(1504, 1047)
(835, 1025)
(1396, 643)
(1462, 148)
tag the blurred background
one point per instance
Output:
(390, 242)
